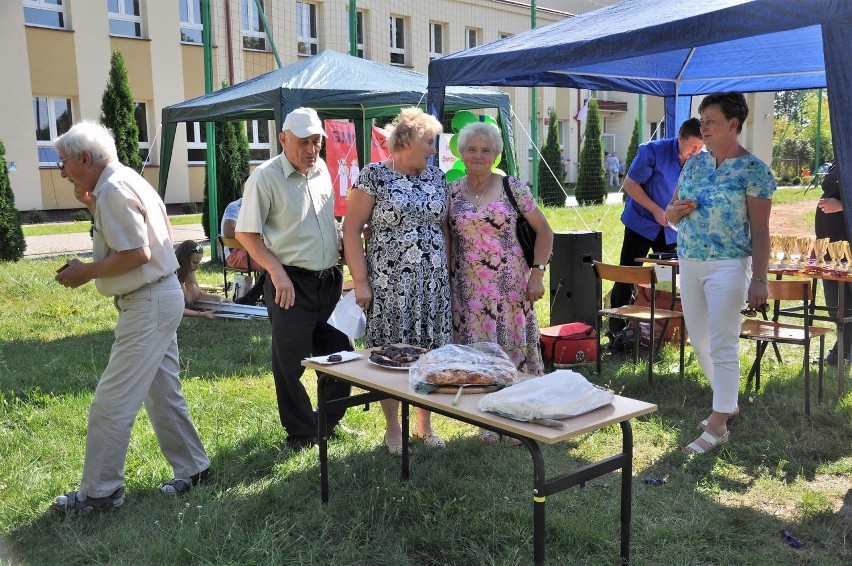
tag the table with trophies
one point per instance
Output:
(797, 256)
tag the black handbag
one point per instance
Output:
(526, 234)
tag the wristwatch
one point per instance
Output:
(541, 266)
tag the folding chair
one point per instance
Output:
(234, 244)
(767, 332)
(644, 275)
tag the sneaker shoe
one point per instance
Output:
(179, 486)
(70, 503)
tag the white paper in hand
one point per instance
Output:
(348, 317)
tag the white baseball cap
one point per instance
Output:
(303, 122)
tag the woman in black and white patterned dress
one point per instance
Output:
(402, 283)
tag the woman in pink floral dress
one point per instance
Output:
(493, 288)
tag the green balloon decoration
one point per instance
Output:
(454, 146)
(492, 120)
(462, 119)
(497, 162)
(454, 175)
(459, 166)
(499, 172)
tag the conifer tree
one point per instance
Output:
(632, 150)
(590, 181)
(118, 113)
(232, 166)
(12, 242)
(550, 167)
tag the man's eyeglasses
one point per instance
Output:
(748, 311)
(61, 162)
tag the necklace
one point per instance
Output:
(484, 190)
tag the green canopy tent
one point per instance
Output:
(336, 86)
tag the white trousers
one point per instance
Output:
(612, 178)
(712, 295)
(143, 368)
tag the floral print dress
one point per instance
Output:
(406, 258)
(489, 277)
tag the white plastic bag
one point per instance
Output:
(558, 395)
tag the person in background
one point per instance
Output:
(239, 259)
(493, 287)
(402, 283)
(189, 255)
(649, 186)
(288, 204)
(133, 262)
(829, 223)
(721, 207)
(611, 164)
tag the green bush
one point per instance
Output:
(118, 113)
(591, 186)
(35, 216)
(81, 215)
(550, 167)
(796, 181)
(189, 208)
(12, 242)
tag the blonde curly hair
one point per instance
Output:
(410, 124)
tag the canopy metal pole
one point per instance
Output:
(534, 121)
(818, 135)
(212, 191)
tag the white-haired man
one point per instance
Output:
(133, 261)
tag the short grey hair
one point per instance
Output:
(90, 137)
(484, 129)
(410, 124)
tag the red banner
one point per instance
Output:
(379, 146)
(341, 156)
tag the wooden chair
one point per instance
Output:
(234, 244)
(645, 275)
(767, 332)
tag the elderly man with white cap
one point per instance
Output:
(287, 225)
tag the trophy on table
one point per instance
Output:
(806, 244)
(776, 249)
(821, 248)
(791, 247)
(847, 253)
(835, 252)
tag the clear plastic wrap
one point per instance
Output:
(482, 363)
(557, 395)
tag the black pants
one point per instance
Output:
(634, 245)
(300, 332)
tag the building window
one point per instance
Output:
(45, 13)
(471, 37)
(504, 35)
(306, 32)
(125, 18)
(397, 40)
(656, 131)
(359, 32)
(436, 40)
(608, 142)
(190, 21)
(258, 138)
(140, 112)
(254, 34)
(196, 142)
(53, 118)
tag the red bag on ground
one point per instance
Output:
(569, 344)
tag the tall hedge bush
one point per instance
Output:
(550, 167)
(118, 113)
(12, 242)
(591, 185)
(232, 166)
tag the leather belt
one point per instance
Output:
(321, 274)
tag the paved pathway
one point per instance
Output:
(81, 244)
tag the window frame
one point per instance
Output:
(190, 23)
(197, 142)
(144, 134)
(249, 14)
(254, 128)
(395, 48)
(359, 32)
(44, 6)
(47, 155)
(467, 37)
(433, 41)
(307, 16)
(123, 16)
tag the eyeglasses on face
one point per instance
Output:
(764, 308)
(61, 162)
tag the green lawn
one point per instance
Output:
(469, 504)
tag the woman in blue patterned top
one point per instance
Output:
(721, 207)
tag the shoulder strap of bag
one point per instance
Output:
(511, 197)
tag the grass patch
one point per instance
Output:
(82, 227)
(469, 504)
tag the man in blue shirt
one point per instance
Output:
(649, 185)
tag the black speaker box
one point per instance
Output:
(572, 279)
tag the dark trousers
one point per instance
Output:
(300, 332)
(829, 288)
(634, 245)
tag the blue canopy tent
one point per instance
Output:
(676, 50)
